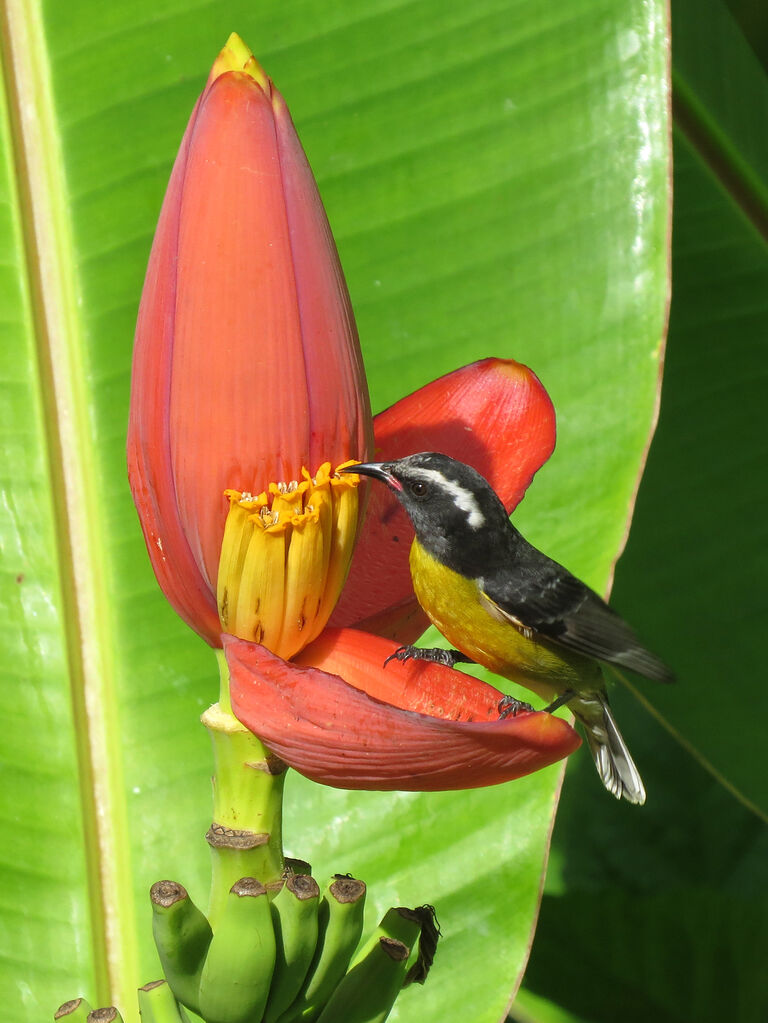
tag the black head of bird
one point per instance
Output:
(452, 507)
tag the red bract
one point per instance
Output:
(248, 391)
(407, 726)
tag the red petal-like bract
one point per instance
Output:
(414, 726)
(150, 469)
(494, 415)
(246, 364)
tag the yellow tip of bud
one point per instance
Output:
(236, 56)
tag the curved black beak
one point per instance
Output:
(376, 470)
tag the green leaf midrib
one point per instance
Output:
(720, 102)
(739, 179)
(45, 239)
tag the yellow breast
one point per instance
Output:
(456, 606)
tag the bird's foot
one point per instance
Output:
(436, 655)
(510, 707)
(561, 701)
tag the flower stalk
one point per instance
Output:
(246, 835)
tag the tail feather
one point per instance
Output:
(613, 761)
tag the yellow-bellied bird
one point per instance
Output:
(503, 604)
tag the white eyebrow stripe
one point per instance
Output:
(462, 498)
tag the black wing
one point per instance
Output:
(536, 593)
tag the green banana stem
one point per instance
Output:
(246, 834)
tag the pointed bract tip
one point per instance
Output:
(236, 56)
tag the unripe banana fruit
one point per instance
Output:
(294, 914)
(182, 936)
(368, 991)
(340, 926)
(238, 968)
(157, 1004)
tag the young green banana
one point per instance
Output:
(238, 968)
(401, 924)
(294, 915)
(368, 991)
(182, 936)
(74, 1011)
(340, 925)
(158, 1005)
(377, 972)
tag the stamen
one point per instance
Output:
(285, 557)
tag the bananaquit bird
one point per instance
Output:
(505, 605)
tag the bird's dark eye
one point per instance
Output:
(418, 489)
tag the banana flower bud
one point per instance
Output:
(248, 393)
(248, 388)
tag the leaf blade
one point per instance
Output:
(484, 223)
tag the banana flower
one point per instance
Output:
(248, 392)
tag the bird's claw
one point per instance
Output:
(403, 653)
(510, 707)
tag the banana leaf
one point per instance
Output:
(673, 906)
(496, 177)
